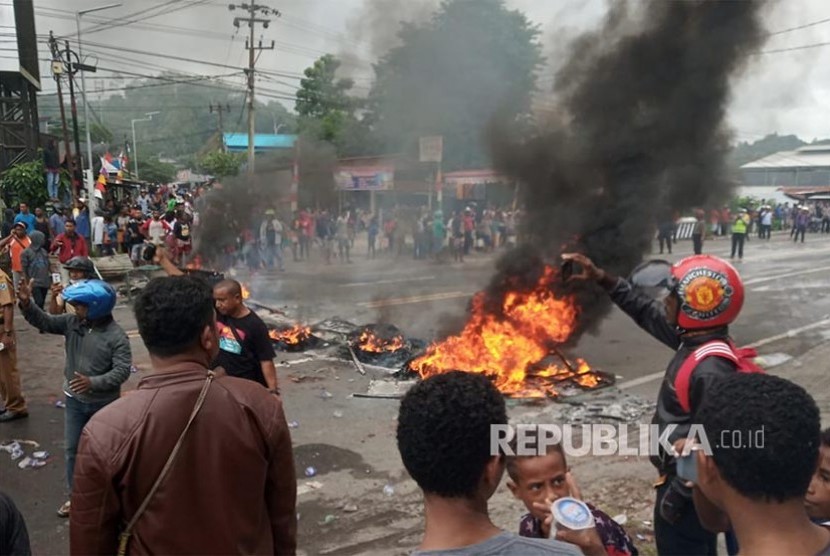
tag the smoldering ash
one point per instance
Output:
(638, 133)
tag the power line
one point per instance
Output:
(791, 49)
(806, 25)
(124, 20)
(291, 48)
(277, 73)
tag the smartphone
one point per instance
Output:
(568, 269)
(687, 466)
(149, 252)
(56, 278)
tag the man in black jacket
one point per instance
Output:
(702, 295)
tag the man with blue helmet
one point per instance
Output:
(98, 356)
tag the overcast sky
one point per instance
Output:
(785, 92)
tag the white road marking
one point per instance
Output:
(788, 334)
(393, 281)
(763, 279)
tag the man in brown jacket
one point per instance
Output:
(230, 488)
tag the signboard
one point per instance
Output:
(17, 21)
(9, 62)
(432, 148)
(365, 178)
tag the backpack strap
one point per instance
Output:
(683, 379)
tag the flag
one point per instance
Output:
(101, 184)
(107, 165)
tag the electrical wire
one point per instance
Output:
(794, 48)
(805, 26)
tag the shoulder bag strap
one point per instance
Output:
(124, 537)
(683, 379)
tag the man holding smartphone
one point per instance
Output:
(698, 298)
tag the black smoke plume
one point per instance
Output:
(639, 132)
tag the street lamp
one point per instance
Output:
(277, 128)
(91, 182)
(135, 147)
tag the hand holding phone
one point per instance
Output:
(687, 464)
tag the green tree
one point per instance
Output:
(746, 152)
(220, 164)
(151, 169)
(97, 133)
(451, 75)
(26, 182)
(323, 103)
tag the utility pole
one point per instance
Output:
(74, 108)
(252, 19)
(57, 72)
(219, 109)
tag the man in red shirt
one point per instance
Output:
(69, 244)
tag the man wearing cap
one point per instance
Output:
(16, 242)
(77, 269)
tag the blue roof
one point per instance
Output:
(262, 141)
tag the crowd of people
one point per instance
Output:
(137, 463)
(416, 231)
(741, 224)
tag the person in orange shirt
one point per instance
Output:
(16, 242)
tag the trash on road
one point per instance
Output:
(31, 462)
(293, 424)
(310, 471)
(389, 490)
(309, 486)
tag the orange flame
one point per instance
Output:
(372, 343)
(290, 336)
(246, 293)
(510, 347)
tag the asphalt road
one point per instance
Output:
(787, 286)
(350, 441)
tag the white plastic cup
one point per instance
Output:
(570, 513)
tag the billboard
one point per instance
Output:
(431, 148)
(17, 20)
(365, 178)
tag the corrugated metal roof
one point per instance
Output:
(809, 156)
(262, 141)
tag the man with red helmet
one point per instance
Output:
(699, 297)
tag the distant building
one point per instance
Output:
(263, 142)
(787, 172)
